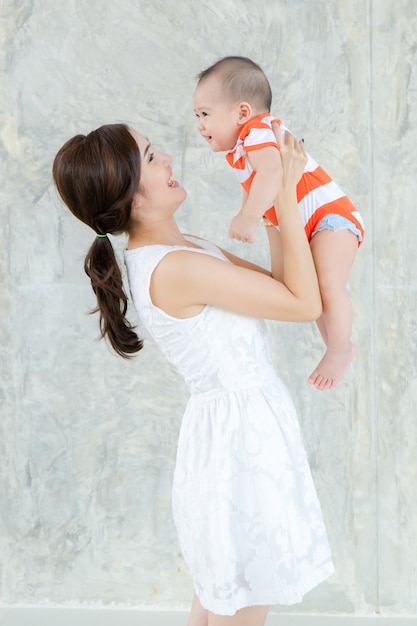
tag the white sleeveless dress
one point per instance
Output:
(246, 511)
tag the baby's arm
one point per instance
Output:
(266, 163)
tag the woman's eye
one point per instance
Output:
(151, 156)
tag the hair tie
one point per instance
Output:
(98, 235)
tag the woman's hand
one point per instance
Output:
(293, 159)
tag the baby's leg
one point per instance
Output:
(334, 253)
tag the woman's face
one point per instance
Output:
(160, 193)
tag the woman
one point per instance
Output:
(244, 504)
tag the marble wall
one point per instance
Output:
(88, 441)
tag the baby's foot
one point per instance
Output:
(331, 369)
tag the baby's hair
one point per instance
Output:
(242, 80)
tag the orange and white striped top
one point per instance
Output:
(317, 194)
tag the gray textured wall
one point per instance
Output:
(87, 441)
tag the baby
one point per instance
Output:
(232, 102)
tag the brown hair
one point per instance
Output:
(242, 80)
(97, 176)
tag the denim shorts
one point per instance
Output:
(336, 222)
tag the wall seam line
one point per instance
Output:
(373, 394)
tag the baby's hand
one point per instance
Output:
(243, 228)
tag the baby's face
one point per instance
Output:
(217, 118)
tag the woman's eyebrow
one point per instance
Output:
(146, 149)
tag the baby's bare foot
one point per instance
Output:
(331, 369)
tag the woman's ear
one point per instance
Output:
(135, 207)
(244, 113)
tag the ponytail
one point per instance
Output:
(97, 177)
(102, 268)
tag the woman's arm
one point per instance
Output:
(290, 251)
(236, 260)
(185, 281)
(275, 247)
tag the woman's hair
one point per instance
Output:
(97, 176)
(242, 80)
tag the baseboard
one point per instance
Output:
(28, 616)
